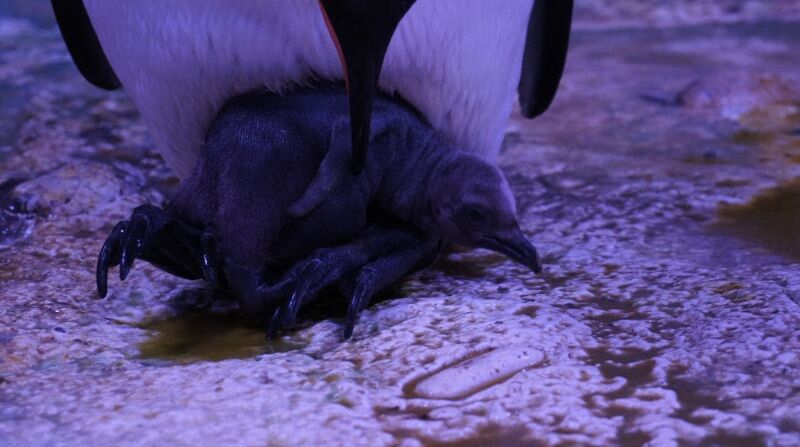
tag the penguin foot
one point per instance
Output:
(154, 236)
(362, 268)
(382, 273)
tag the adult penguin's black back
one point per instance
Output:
(459, 62)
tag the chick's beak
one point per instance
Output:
(515, 245)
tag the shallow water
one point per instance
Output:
(198, 336)
(770, 219)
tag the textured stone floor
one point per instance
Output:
(662, 188)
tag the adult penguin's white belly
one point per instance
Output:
(457, 61)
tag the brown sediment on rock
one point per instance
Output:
(693, 395)
(634, 365)
(491, 435)
(198, 336)
(770, 219)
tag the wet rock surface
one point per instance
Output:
(596, 14)
(661, 189)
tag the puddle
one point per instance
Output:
(770, 219)
(195, 337)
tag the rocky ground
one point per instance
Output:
(600, 14)
(662, 188)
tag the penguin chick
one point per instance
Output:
(231, 222)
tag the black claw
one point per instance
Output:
(310, 278)
(154, 236)
(109, 256)
(362, 293)
(130, 247)
(352, 312)
(293, 306)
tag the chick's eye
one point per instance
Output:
(474, 216)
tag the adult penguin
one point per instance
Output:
(458, 62)
(182, 64)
